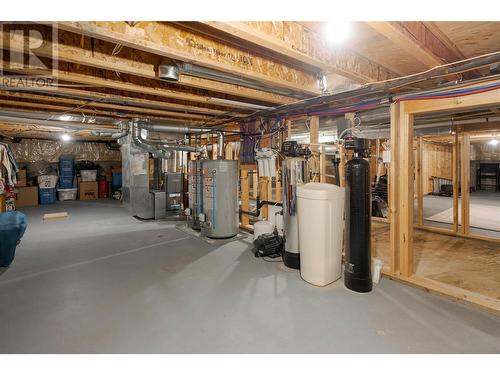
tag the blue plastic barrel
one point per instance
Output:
(12, 228)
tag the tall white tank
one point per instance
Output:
(321, 225)
(294, 173)
(220, 198)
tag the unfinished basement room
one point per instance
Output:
(249, 187)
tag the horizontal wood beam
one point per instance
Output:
(463, 102)
(172, 42)
(294, 41)
(140, 68)
(121, 101)
(96, 102)
(94, 81)
(89, 109)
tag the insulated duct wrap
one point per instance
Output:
(32, 150)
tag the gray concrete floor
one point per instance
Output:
(102, 282)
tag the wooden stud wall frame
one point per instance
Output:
(401, 186)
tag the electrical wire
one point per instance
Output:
(451, 94)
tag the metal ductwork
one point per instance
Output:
(58, 118)
(171, 128)
(49, 123)
(157, 147)
(144, 145)
(220, 145)
(168, 72)
(216, 75)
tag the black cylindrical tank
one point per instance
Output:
(357, 272)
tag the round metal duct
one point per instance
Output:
(168, 72)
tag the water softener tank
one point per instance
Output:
(294, 173)
(220, 198)
(357, 271)
(195, 193)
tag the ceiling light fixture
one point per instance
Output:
(494, 142)
(65, 137)
(337, 32)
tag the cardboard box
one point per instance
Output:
(2, 203)
(27, 196)
(21, 178)
(88, 190)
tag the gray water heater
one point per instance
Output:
(220, 198)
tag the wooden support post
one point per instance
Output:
(255, 185)
(314, 145)
(228, 152)
(405, 182)
(465, 183)
(314, 133)
(278, 190)
(263, 192)
(394, 189)
(420, 182)
(289, 130)
(245, 195)
(214, 151)
(342, 162)
(454, 176)
(322, 164)
(269, 188)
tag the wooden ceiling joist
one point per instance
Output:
(90, 110)
(88, 105)
(422, 41)
(172, 42)
(104, 98)
(97, 59)
(294, 41)
(94, 81)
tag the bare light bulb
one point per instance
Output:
(493, 142)
(337, 31)
(65, 137)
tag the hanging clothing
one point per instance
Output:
(8, 161)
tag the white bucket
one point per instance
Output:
(377, 265)
(262, 227)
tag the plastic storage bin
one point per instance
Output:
(66, 165)
(116, 179)
(47, 181)
(320, 209)
(88, 175)
(66, 182)
(67, 194)
(12, 227)
(47, 195)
